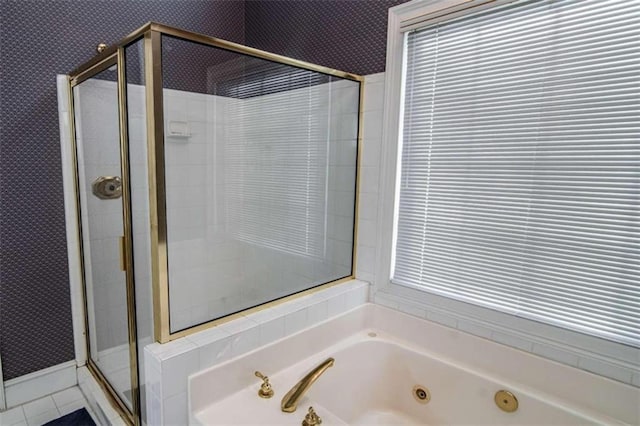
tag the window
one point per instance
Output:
(518, 186)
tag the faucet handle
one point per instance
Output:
(265, 389)
(311, 419)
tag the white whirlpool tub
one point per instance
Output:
(381, 356)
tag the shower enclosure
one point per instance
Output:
(211, 178)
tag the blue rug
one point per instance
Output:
(79, 417)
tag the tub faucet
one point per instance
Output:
(290, 400)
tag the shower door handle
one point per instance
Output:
(107, 187)
(123, 254)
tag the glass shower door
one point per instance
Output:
(100, 193)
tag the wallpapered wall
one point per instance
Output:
(41, 39)
(37, 41)
(341, 34)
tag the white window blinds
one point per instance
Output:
(276, 152)
(520, 164)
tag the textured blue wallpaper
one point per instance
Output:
(39, 39)
(349, 35)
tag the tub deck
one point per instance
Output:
(380, 355)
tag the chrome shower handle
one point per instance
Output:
(107, 187)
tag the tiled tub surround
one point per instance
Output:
(169, 365)
(380, 354)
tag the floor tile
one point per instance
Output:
(38, 407)
(43, 418)
(71, 407)
(12, 416)
(43, 410)
(67, 396)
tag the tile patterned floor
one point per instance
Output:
(43, 410)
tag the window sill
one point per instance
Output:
(609, 359)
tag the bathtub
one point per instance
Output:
(384, 359)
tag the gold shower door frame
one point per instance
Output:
(151, 34)
(157, 189)
(116, 58)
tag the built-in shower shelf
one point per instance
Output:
(178, 130)
(181, 137)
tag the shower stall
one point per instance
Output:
(210, 179)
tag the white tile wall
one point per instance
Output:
(169, 365)
(188, 170)
(210, 268)
(369, 176)
(607, 369)
(139, 180)
(620, 365)
(186, 164)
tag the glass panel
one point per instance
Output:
(99, 171)
(260, 179)
(137, 128)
